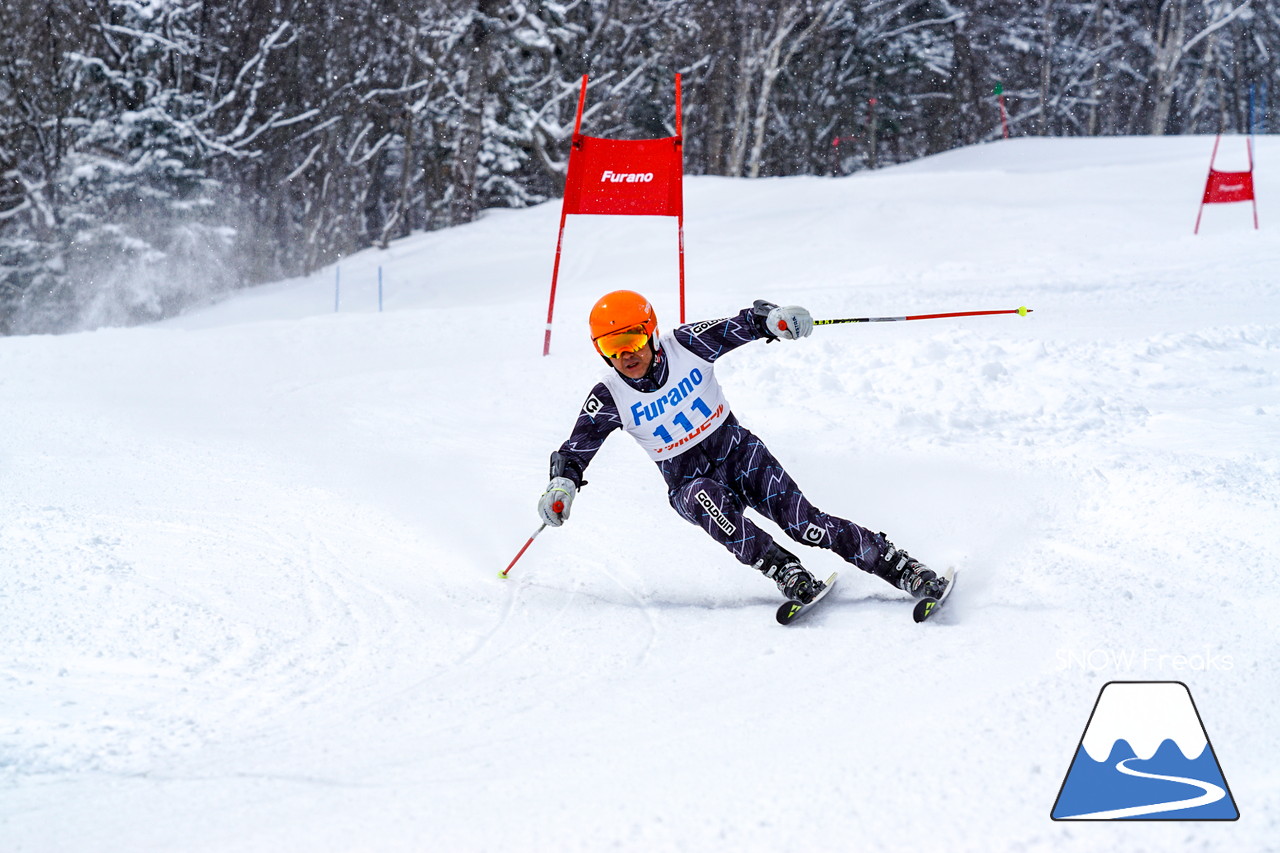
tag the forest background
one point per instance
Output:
(157, 153)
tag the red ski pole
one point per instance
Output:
(1022, 311)
(558, 506)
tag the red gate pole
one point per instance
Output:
(555, 273)
(555, 269)
(1212, 157)
(680, 214)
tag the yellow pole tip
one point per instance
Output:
(1023, 311)
(502, 575)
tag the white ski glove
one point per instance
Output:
(788, 322)
(554, 504)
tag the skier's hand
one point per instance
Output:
(554, 504)
(788, 322)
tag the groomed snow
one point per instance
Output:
(250, 599)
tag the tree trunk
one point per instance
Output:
(771, 66)
(776, 60)
(1095, 87)
(1046, 64)
(741, 102)
(964, 88)
(1169, 33)
(479, 41)
(717, 94)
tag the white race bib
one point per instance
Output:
(679, 415)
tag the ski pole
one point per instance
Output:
(556, 507)
(1021, 311)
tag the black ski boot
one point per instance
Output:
(793, 580)
(907, 573)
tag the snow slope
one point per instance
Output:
(249, 598)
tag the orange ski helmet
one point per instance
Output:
(622, 321)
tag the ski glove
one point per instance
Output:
(788, 322)
(554, 504)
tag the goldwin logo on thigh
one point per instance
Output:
(704, 500)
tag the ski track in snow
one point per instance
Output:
(249, 598)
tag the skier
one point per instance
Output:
(662, 389)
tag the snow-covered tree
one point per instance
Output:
(135, 133)
(116, 223)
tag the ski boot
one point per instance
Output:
(909, 574)
(793, 579)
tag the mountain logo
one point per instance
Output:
(1144, 755)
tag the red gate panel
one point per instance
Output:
(1228, 187)
(622, 177)
(640, 177)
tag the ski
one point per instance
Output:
(790, 611)
(928, 606)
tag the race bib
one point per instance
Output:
(680, 414)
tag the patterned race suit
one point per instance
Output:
(714, 467)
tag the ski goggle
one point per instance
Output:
(615, 344)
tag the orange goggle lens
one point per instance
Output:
(615, 344)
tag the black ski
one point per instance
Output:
(790, 611)
(928, 606)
